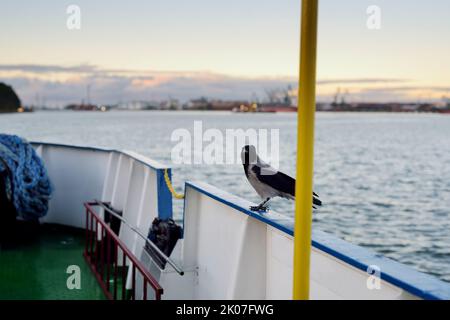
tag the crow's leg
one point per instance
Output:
(261, 206)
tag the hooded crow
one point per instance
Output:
(267, 181)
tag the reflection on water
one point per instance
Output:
(384, 178)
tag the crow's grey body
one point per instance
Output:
(267, 181)
(265, 190)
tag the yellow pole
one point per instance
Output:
(305, 150)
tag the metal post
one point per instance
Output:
(305, 150)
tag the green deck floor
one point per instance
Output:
(37, 270)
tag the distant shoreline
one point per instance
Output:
(446, 112)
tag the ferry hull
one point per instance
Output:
(227, 251)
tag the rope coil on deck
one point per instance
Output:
(28, 186)
(170, 186)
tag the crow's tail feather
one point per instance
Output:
(316, 200)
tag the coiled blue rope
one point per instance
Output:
(29, 187)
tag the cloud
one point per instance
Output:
(113, 89)
(361, 81)
(110, 86)
(411, 93)
(35, 68)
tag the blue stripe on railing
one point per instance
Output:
(416, 283)
(164, 195)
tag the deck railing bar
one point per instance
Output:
(96, 245)
(101, 254)
(116, 253)
(139, 233)
(108, 260)
(86, 245)
(88, 255)
(91, 236)
(112, 237)
(124, 276)
(157, 266)
(185, 269)
(145, 290)
(133, 282)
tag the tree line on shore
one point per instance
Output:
(9, 101)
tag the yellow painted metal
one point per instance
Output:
(305, 150)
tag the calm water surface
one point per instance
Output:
(384, 178)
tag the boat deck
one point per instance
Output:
(36, 267)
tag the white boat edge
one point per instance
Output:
(228, 251)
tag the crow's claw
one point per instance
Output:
(258, 208)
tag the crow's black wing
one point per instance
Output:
(281, 182)
(316, 200)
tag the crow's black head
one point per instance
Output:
(248, 155)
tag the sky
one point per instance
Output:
(234, 49)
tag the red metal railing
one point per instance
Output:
(102, 254)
